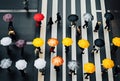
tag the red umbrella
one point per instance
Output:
(8, 17)
(38, 17)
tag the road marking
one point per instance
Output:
(95, 36)
(106, 38)
(84, 35)
(54, 35)
(73, 31)
(18, 11)
(64, 35)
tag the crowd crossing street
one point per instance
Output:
(58, 10)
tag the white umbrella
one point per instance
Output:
(5, 41)
(73, 65)
(21, 64)
(40, 63)
(5, 63)
(88, 17)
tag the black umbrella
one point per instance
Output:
(72, 17)
(109, 16)
(99, 42)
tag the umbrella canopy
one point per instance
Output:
(99, 42)
(83, 43)
(116, 41)
(89, 67)
(52, 42)
(20, 43)
(21, 64)
(5, 63)
(73, 65)
(73, 18)
(37, 42)
(67, 41)
(8, 17)
(109, 16)
(57, 61)
(40, 63)
(6, 41)
(107, 63)
(38, 17)
(88, 17)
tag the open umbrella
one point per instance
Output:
(57, 61)
(89, 67)
(88, 17)
(52, 42)
(109, 16)
(20, 43)
(21, 64)
(40, 63)
(99, 42)
(37, 42)
(5, 63)
(67, 41)
(38, 17)
(8, 17)
(73, 65)
(83, 43)
(73, 18)
(107, 63)
(6, 41)
(116, 41)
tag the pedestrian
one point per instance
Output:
(72, 71)
(38, 24)
(86, 24)
(52, 49)
(50, 22)
(97, 26)
(57, 68)
(79, 30)
(58, 18)
(116, 70)
(94, 50)
(104, 71)
(38, 50)
(82, 50)
(26, 3)
(87, 75)
(66, 49)
(107, 25)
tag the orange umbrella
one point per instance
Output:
(89, 67)
(52, 42)
(57, 61)
(67, 41)
(83, 43)
(37, 42)
(107, 63)
(116, 41)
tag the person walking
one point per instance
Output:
(50, 22)
(87, 75)
(26, 3)
(97, 26)
(86, 24)
(107, 25)
(58, 18)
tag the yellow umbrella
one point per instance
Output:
(67, 41)
(37, 42)
(116, 41)
(52, 42)
(89, 67)
(107, 63)
(83, 43)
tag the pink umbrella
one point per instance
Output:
(20, 43)
(8, 17)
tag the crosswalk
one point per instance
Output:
(66, 7)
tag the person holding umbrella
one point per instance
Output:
(109, 16)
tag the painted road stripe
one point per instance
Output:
(84, 35)
(106, 38)
(95, 36)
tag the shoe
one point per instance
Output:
(109, 30)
